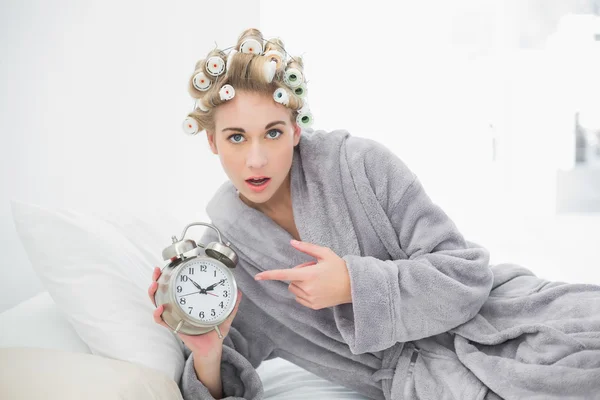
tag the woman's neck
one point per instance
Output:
(279, 209)
(279, 204)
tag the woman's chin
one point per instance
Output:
(253, 198)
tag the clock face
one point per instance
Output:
(203, 290)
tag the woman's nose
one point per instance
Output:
(256, 157)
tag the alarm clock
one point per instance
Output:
(197, 286)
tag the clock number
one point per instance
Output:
(184, 278)
(221, 304)
(212, 312)
(225, 294)
(201, 314)
(179, 289)
(203, 268)
(191, 309)
(215, 273)
(182, 300)
(191, 271)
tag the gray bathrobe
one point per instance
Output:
(429, 318)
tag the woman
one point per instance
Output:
(382, 293)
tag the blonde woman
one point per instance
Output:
(349, 270)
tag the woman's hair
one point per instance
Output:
(253, 65)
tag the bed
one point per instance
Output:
(42, 356)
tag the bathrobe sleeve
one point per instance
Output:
(244, 349)
(442, 283)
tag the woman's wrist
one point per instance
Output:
(209, 354)
(208, 371)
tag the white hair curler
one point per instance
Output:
(215, 66)
(227, 92)
(190, 126)
(201, 82)
(293, 77)
(281, 96)
(269, 70)
(251, 45)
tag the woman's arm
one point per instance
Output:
(241, 355)
(234, 376)
(443, 282)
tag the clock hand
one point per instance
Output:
(190, 293)
(212, 287)
(200, 291)
(195, 284)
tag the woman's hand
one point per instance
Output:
(207, 345)
(316, 284)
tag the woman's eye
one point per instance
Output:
(235, 134)
(274, 130)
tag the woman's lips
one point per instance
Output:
(258, 188)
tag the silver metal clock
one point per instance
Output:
(197, 286)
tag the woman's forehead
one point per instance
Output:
(248, 101)
(252, 115)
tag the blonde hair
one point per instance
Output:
(245, 71)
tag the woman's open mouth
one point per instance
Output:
(258, 184)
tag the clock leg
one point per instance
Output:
(218, 332)
(179, 325)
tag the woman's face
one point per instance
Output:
(254, 137)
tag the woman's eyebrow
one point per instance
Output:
(270, 124)
(274, 123)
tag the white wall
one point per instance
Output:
(436, 81)
(93, 97)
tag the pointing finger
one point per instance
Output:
(319, 252)
(306, 264)
(283, 275)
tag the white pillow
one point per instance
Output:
(98, 272)
(50, 374)
(20, 326)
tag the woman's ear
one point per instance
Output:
(210, 136)
(297, 133)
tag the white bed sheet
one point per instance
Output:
(283, 380)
